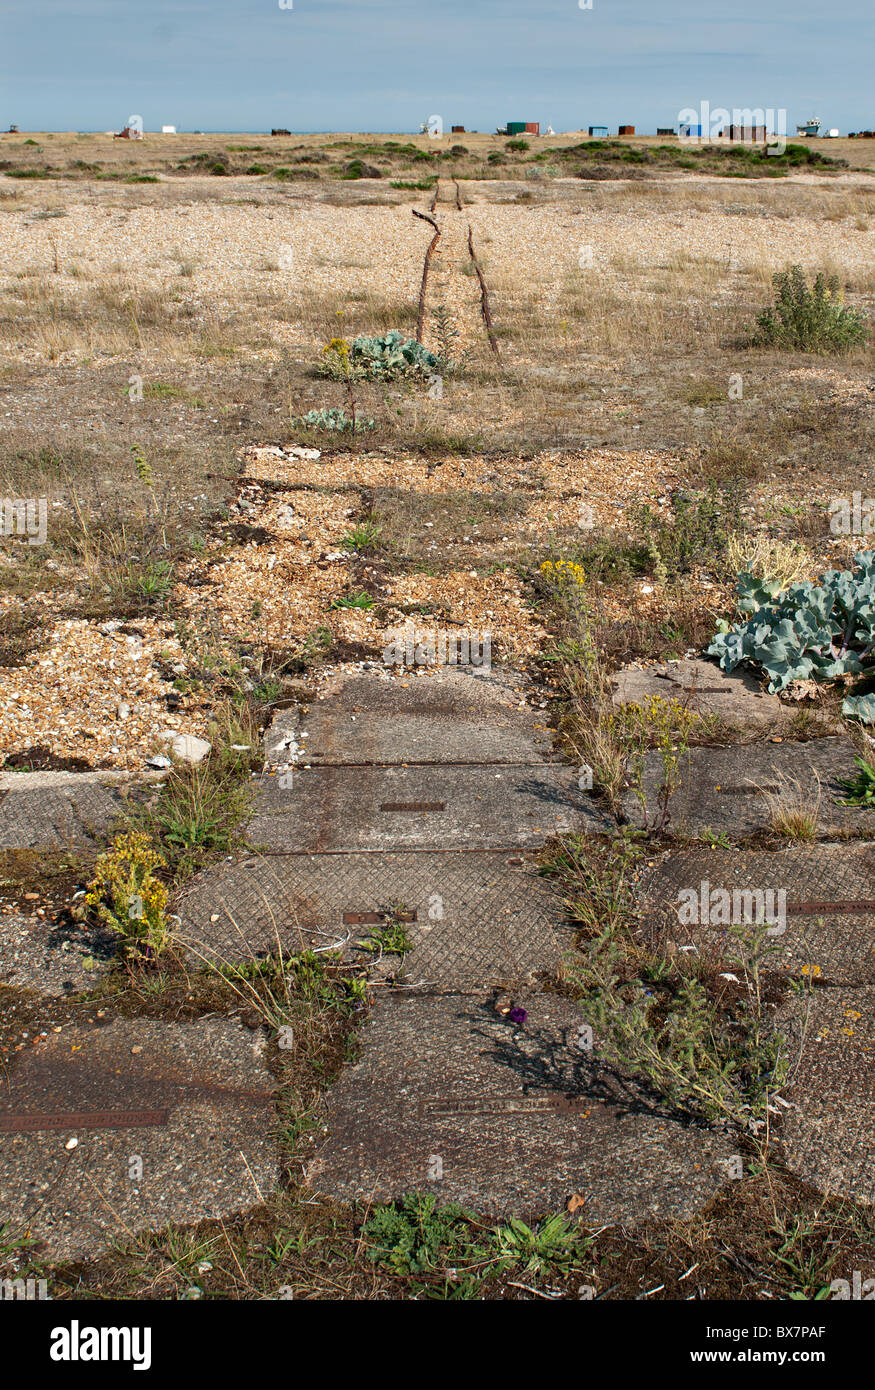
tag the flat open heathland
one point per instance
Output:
(611, 377)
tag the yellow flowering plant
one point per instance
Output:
(129, 897)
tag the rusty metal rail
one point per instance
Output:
(484, 295)
(420, 320)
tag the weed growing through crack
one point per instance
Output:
(793, 810)
(128, 896)
(659, 1014)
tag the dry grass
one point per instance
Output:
(793, 811)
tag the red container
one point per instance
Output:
(533, 127)
(626, 130)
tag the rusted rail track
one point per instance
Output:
(420, 318)
(485, 310)
(484, 296)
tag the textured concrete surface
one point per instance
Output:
(477, 918)
(459, 714)
(513, 1119)
(730, 789)
(435, 808)
(40, 955)
(830, 902)
(828, 1133)
(191, 1101)
(738, 699)
(61, 810)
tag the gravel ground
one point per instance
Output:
(240, 251)
(96, 693)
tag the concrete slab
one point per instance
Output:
(63, 810)
(728, 788)
(434, 808)
(192, 1102)
(737, 699)
(828, 1136)
(52, 959)
(476, 919)
(456, 715)
(830, 904)
(449, 1097)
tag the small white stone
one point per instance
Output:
(188, 747)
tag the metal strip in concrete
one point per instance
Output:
(472, 920)
(451, 1098)
(339, 808)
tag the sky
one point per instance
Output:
(388, 65)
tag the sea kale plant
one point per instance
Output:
(379, 358)
(810, 318)
(818, 631)
(333, 418)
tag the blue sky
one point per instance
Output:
(386, 65)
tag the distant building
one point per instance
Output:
(665, 130)
(748, 133)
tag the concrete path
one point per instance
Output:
(420, 800)
(64, 810)
(105, 1131)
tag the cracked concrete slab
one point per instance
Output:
(473, 919)
(737, 699)
(449, 1097)
(828, 1132)
(64, 810)
(456, 715)
(52, 958)
(730, 789)
(434, 808)
(829, 924)
(192, 1102)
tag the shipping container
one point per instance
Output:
(533, 127)
(516, 128)
(598, 130)
(626, 130)
(457, 130)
